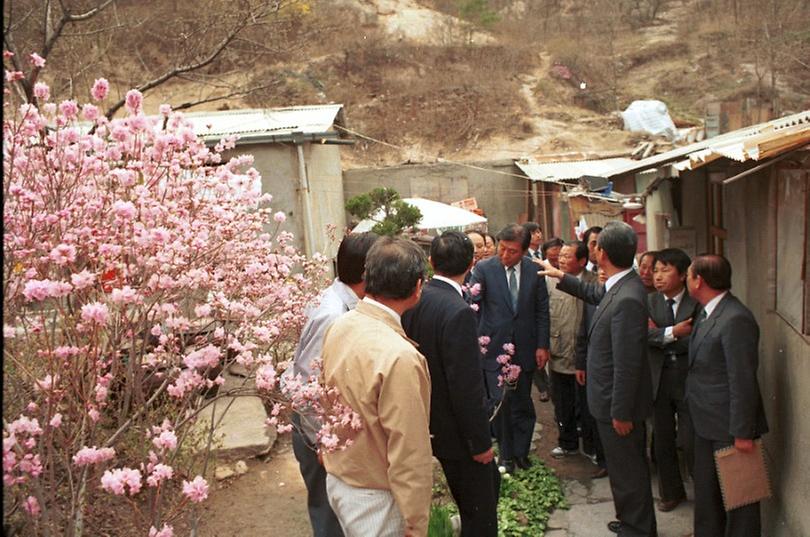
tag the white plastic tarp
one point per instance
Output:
(649, 116)
(435, 216)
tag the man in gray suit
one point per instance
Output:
(619, 383)
(672, 311)
(722, 392)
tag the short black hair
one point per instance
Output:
(673, 256)
(619, 242)
(645, 254)
(581, 251)
(451, 253)
(351, 256)
(393, 267)
(531, 227)
(586, 236)
(517, 233)
(714, 269)
(551, 243)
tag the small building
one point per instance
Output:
(746, 194)
(296, 151)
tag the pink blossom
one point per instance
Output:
(474, 307)
(115, 481)
(93, 455)
(125, 210)
(62, 254)
(125, 295)
(42, 91)
(69, 109)
(484, 340)
(13, 76)
(208, 356)
(82, 279)
(475, 289)
(134, 100)
(56, 421)
(25, 425)
(280, 217)
(509, 348)
(36, 290)
(196, 490)
(9, 332)
(165, 440)
(31, 506)
(95, 312)
(165, 109)
(36, 60)
(46, 383)
(100, 89)
(93, 414)
(266, 377)
(203, 310)
(160, 473)
(166, 531)
(90, 112)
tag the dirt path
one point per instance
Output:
(270, 500)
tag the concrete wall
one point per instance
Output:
(749, 216)
(502, 197)
(278, 166)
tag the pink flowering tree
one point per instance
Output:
(137, 263)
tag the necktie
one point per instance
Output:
(537, 254)
(700, 318)
(513, 286)
(670, 311)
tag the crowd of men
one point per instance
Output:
(617, 342)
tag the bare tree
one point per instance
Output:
(145, 45)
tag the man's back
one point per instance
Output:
(444, 327)
(385, 380)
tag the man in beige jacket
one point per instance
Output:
(566, 316)
(381, 484)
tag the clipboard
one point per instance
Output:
(743, 476)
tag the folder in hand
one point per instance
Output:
(743, 476)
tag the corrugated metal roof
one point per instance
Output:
(266, 124)
(757, 142)
(553, 172)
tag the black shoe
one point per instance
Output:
(523, 463)
(508, 464)
(599, 474)
(615, 526)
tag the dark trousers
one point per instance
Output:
(564, 397)
(475, 488)
(591, 444)
(629, 477)
(323, 519)
(671, 433)
(514, 424)
(711, 518)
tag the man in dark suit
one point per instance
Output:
(672, 311)
(444, 326)
(722, 392)
(618, 375)
(513, 308)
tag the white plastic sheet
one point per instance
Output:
(649, 116)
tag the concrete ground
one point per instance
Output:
(590, 500)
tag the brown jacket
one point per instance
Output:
(382, 376)
(566, 315)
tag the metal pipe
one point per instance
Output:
(754, 169)
(303, 180)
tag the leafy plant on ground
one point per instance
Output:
(439, 524)
(526, 502)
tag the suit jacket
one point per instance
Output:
(619, 385)
(444, 326)
(659, 313)
(527, 326)
(722, 388)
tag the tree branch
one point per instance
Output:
(168, 75)
(239, 93)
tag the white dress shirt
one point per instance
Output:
(613, 280)
(455, 285)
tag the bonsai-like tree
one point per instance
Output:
(397, 216)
